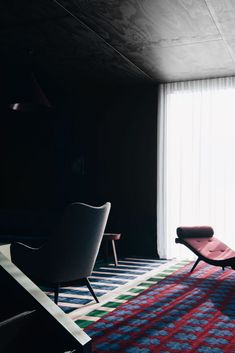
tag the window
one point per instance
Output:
(196, 161)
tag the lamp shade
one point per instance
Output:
(28, 95)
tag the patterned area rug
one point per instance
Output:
(113, 286)
(183, 312)
(152, 271)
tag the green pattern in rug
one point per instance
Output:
(84, 320)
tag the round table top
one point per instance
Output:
(112, 236)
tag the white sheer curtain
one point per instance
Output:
(196, 161)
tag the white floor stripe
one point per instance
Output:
(117, 270)
(127, 266)
(112, 274)
(110, 279)
(100, 283)
(121, 290)
(141, 262)
(72, 305)
(146, 260)
(89, 318)
(75, 296)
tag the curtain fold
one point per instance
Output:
(195, 161)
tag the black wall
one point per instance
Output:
(98, 146)
(124, 166)
(33, 160)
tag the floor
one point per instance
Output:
(116, 285)
(112, 285)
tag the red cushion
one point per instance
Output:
(211, 248)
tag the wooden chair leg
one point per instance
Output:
(196, 263)
(114, 253)
(91, 290)
(106, 251)
(56, 292)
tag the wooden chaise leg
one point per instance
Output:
(196, 263)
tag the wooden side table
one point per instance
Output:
(107, 237)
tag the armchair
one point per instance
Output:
(69, 255)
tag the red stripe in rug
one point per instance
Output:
(185, 312)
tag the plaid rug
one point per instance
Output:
(151, 271)
(108, 279)
(185, 312)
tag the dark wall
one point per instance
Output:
(33, 160)
(99, 146)
(118, 162)
(125, 158)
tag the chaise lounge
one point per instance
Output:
(201, 242)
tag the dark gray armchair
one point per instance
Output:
(69, 255)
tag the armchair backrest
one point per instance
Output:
(74, 246)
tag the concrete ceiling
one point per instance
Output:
(68, 41)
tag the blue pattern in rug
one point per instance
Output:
(104, 279)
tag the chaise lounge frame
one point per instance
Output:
(205, 246)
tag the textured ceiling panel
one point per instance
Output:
(64, 48)
(141, 29)
(119, 40)
(210, 59)
(78, 52)
(223, 13)
(164, 22)
(14, 13)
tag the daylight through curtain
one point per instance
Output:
(196, 161)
